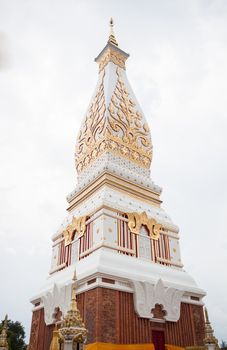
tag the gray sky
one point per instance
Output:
(178, 71)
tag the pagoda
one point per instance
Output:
(132, 287)
(3, 335)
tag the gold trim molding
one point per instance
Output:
(137, 220)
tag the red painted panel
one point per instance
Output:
(158, 339)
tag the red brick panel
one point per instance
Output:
(110, 317)
(41, 335)
(199, 322)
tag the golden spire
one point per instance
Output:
(112, 40)
(72, 325)
(209, 332)
(207, 321)
(73, 300)
(3, 335)
(55, 339)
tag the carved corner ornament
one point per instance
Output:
(137, 220)
(78, 225)
(154, 301)
(56, 303)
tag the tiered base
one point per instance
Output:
(110, 318)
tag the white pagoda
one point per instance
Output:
(132, 288)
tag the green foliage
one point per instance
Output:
(16, 335)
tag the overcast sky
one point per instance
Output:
(178, 70)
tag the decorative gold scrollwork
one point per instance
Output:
(117, 127)
(78, 225)
(112, 56)
(136, 220)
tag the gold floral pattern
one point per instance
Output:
(118, 128)
(94, 126)
(123, 119)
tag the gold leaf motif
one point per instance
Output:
(118, 128)
(137, 220)
(94, 125)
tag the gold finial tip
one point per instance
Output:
(206, 316)
(112, 40)
(6, 319)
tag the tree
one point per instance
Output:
(16, 335)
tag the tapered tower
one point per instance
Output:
(3, 335)
(132, 288)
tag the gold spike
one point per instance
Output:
(209, 332)
(112, 40)
(6, 321)
(55, 339)
(206, 316)
(73, 299)
(72, 322)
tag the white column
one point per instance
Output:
(144, 245)
(68, 345)
(211, 346)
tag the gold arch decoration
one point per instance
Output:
(78, 225)
(137, 220)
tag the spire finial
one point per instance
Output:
(73, 299)
(55, 339)
(72, 327)
(3, 334)
(209, 332)
(112, 40)
(6, 320)
(206, 316)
